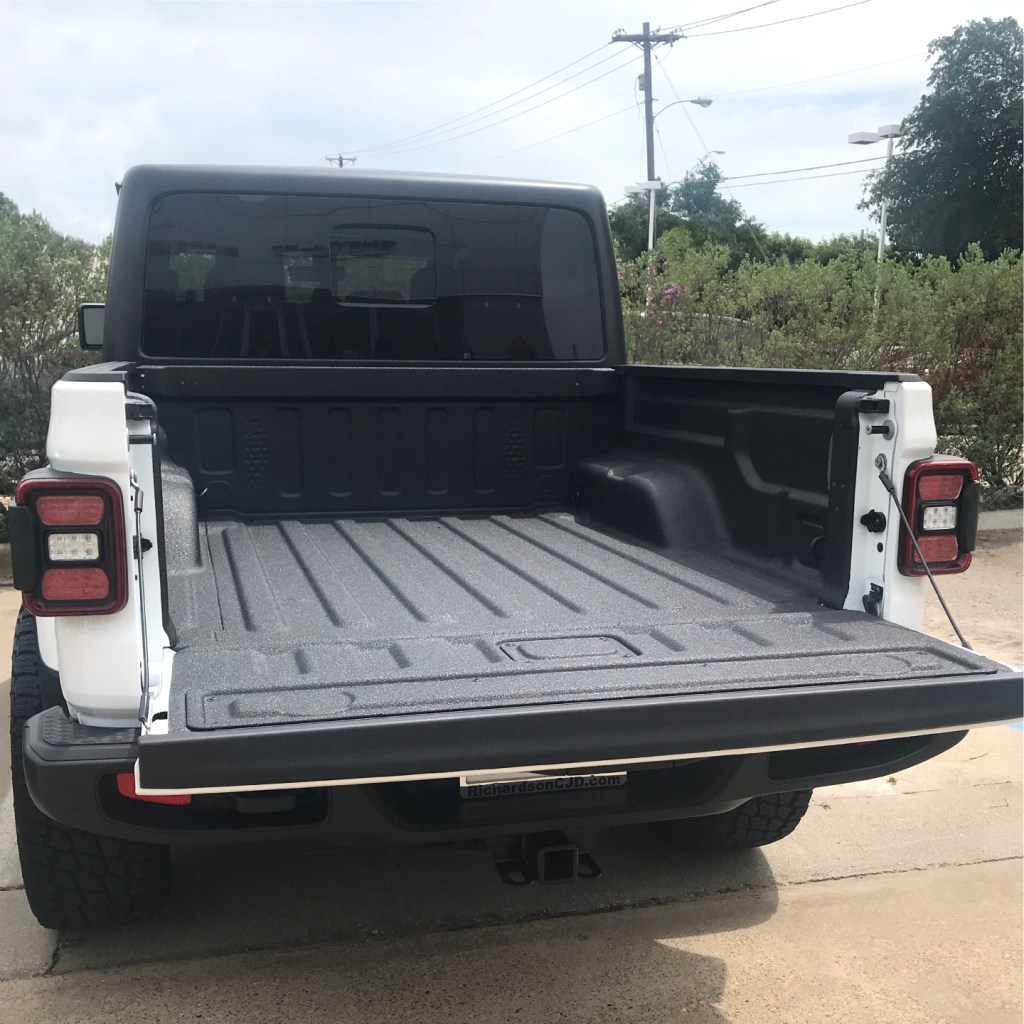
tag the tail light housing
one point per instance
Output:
(68, 545)
(940, 499)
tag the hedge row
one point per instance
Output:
(958, 326)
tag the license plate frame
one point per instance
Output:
(490, 786)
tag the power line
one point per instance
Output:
(424, 136)
(550, 138)
(784, 21)
(707, 152)
(528, 110)
(721, 17)
(486, 106)
(796, 170)
(820, 78)
(682, 105)
(810, 177)
(661, 144)
(774, 181)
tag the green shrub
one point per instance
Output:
(958, 326)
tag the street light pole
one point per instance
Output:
(890, 132)
(885, 207)
(700, 101)
(652, 184)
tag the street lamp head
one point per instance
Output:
(890, 131)
(700, 101)
(864, 138)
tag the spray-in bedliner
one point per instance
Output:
(296, 621)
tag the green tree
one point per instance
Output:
(957, 178)
(629, 220)
(696, 204)
(43, 277)
(713, 219)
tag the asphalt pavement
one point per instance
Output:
(896, 900)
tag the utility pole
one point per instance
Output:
(647, 41)
(340, 160)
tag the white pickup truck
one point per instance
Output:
(365, 531)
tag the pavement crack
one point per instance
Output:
(898, 871)
(51, 967)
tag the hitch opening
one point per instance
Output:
(545, 857)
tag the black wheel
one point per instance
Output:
(73, 877)
(758, 822)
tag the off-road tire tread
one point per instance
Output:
(758, 822)
(73, 878)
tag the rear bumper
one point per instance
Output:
(350, 785)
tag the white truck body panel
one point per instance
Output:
(100, 656)
(910, 412)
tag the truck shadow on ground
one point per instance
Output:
(599, 968)
(425, 917)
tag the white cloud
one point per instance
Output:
(98, 87)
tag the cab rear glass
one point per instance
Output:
(262, 277)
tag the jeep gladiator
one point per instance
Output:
(364, 530)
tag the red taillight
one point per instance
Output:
(72, 555)
(940, 499)
(70, 509)
(126, 787)
(940, 486)
(75, 585)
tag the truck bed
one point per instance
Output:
(296, 621)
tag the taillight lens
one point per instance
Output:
(75, 585)
(73, 547)
(77, 539)
(70, 509)
(940, 499)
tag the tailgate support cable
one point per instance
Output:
(888, 485)
(137, 497)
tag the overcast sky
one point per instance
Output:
(92, 88)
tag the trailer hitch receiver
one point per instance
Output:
(545, 857)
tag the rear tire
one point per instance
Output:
(758, 822)
(73, 877)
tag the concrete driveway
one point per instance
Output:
(896, 900)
